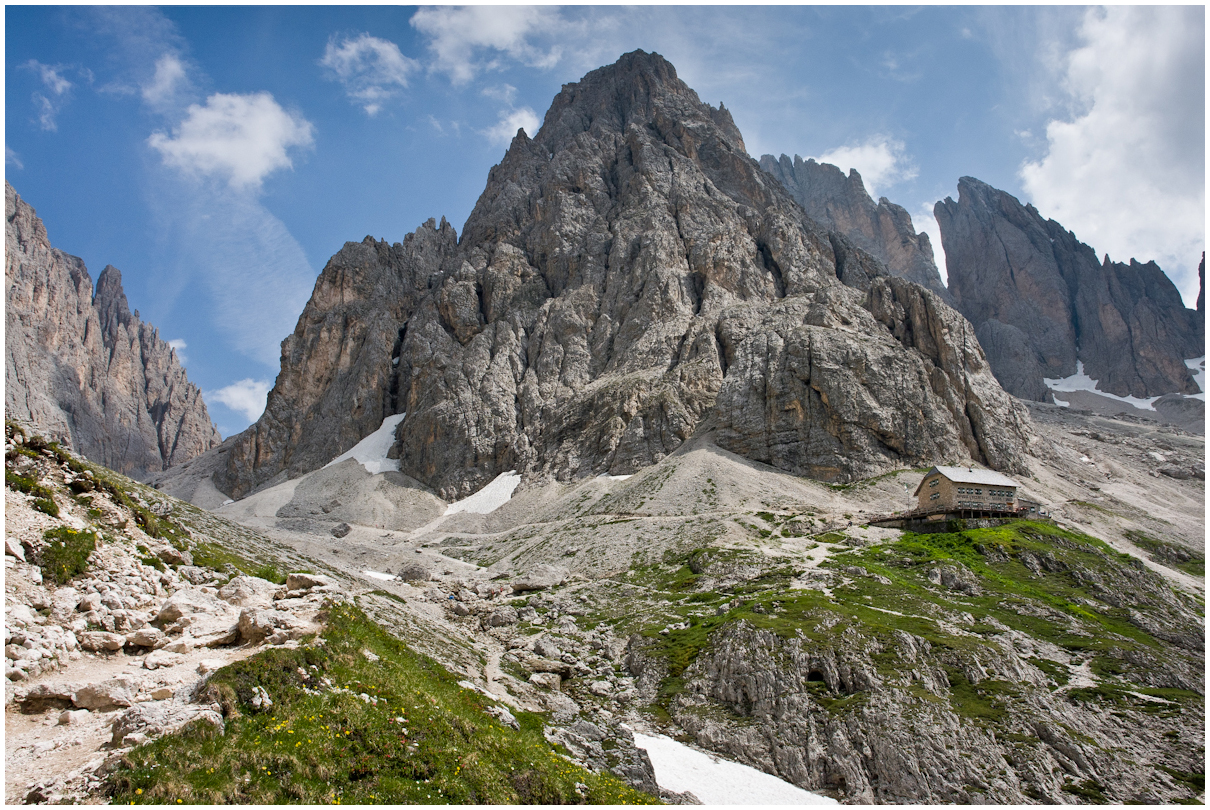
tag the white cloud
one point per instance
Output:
(56, 85)
(510, 122)
(457, 37)
(11, 158)
(54, 81)
(502, 92)
(168, 80)
(247, 396)
(241, 138)
(178, 345)
(1126, 169)
(371, 69)
(881, 161)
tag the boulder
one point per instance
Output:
(174, 556)
(539, 578)
(415, 572)
(146, 637)
(246, 591)
(304, 582)
(501, 617)
(341, 530)
(89, 602)
(160, 658)
(188, 602)
(195, 573)
(99, 640)
(155, 719)
(13, 549)
(256, 624)
(545, 680)
(112, 694)
(43, 696)
(73, 716)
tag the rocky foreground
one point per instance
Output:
(706, 597)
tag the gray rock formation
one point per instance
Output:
(82, 368)
(840, 203)
(622, 272)
(1040, 300)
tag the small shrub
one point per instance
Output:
(47, 505)
(65, 553)
(269, 571)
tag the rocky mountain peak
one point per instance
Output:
(628, 277)
(1041, 300)
(85, 370)
(110, 301)
(841, 203)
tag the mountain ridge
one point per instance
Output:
(602, 293)
(1041, 300)
(82, 367)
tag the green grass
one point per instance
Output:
(65, 554)
(1060, 605)
(212, 555)
(44, 499)
(334, 747)
(1170, 554)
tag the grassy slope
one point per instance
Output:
(329, 745)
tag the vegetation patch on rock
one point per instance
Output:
(354, 716)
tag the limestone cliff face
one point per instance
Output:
(841, 203)
(625, 275)
(1040, 300)
(340, 368)
(84, 369)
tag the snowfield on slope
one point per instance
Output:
(718, 781)
(371, 452)
(1082, 382)
(490, 498)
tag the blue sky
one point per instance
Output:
(218, 156)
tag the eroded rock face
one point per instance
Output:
(841, 203)
(339, 376)
(1041, 300)
(622, 272)
(82, 368)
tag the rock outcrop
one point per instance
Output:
(79, 366)
(623, 272)
(1041, 301)
(840, 203)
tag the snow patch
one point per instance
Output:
(1062, 403)
(718, 781)
(378, 575)
(1082, 382)
(371, 452)
(490, 498)
(1198, 366)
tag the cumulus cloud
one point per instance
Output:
(510, 121)
(50, 103)
(1125, 169)
(881, 161)
(241, 138)
(178, 345)
(371, 69)
(473, 39)
(168, 80)
(247, 396)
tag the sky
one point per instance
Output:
(218, 156)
